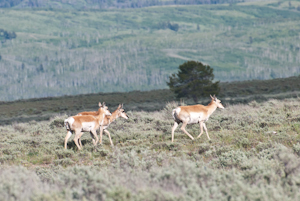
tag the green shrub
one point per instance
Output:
(203, 148)
(57, 122)
(64, 162)
(296, 148)
(64, 153)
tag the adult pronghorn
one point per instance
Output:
(194, 114)
(87, 123)
(119, 112)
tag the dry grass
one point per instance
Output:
(253, 154)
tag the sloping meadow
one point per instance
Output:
(253, 155)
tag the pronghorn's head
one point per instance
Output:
(104, 109)
(217, 101)
(121, 112)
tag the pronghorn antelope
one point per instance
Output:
(87, 123)
(119, 112)
(195, 114)
(93, 113)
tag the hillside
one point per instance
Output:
(60, 52)
(242, 92)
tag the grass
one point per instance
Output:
(253, 154)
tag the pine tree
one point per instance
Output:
(193, 80)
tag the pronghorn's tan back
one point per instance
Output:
(193, 108)
(93, 113)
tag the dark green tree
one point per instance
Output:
(193, 80)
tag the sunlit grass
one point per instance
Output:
(250, 143)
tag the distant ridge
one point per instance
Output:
(231, 93)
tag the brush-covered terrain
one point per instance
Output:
(231, 93)
(253, 155)
(48, 51)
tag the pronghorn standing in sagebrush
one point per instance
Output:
(194, 114)
(87, 123)
(119, 112)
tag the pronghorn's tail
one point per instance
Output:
(175, 113)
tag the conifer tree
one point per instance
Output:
(193, 80)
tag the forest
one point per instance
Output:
(104, 4)
(71, 51)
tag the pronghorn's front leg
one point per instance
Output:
(206, 130)
(173, 130)
(95, 137)
(101, 133)
(79, 140)
(111, 142)
(76, 139)
(201, 129)
(69, 133)
(183, 129)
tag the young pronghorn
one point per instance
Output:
(87, 123)
(194, 114)
(119, 112)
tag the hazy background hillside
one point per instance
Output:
(77, 47)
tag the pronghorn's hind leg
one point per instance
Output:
(69, 133)
(173, 129)
(183, 129)
(76, 139)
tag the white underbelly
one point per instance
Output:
(87, 126)
(195, 118)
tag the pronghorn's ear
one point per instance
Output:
(120, 106)
(100, 104)
(103, 104)
(211, 97)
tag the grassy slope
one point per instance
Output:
(76, 48)
(253, 155)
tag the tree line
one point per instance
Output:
(6, 35)
(104, 4)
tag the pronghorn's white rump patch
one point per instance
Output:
(70, 120)
(175, 113)
(178, 109)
